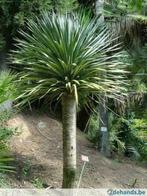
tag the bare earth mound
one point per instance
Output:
(38, 151)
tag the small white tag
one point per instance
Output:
(104, 129)
(41, 125)
(84, 158)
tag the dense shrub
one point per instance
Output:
(127, 135)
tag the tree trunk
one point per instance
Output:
(69, 140)
(99, 5)
(103, 144)
(103, 127)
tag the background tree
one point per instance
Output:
(14, 14)
(127, 19)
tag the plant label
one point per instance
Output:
(84, 158)
(104, 129)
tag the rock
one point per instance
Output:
(41, 125)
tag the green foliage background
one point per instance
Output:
(124, 16)
(15, 13)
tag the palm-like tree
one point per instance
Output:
(64, 58)
(126, 18)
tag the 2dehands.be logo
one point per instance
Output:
(116, 192)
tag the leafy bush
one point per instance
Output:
(4, 182)
(93, 126)
(126, 135)
(7, 92)
(8, 88)
(5, 159)
(37, 183)
(116, 144)
(5, 131)
(5, 134)
(132, 133)
(137, 130)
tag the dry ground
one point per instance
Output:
(38, 151)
